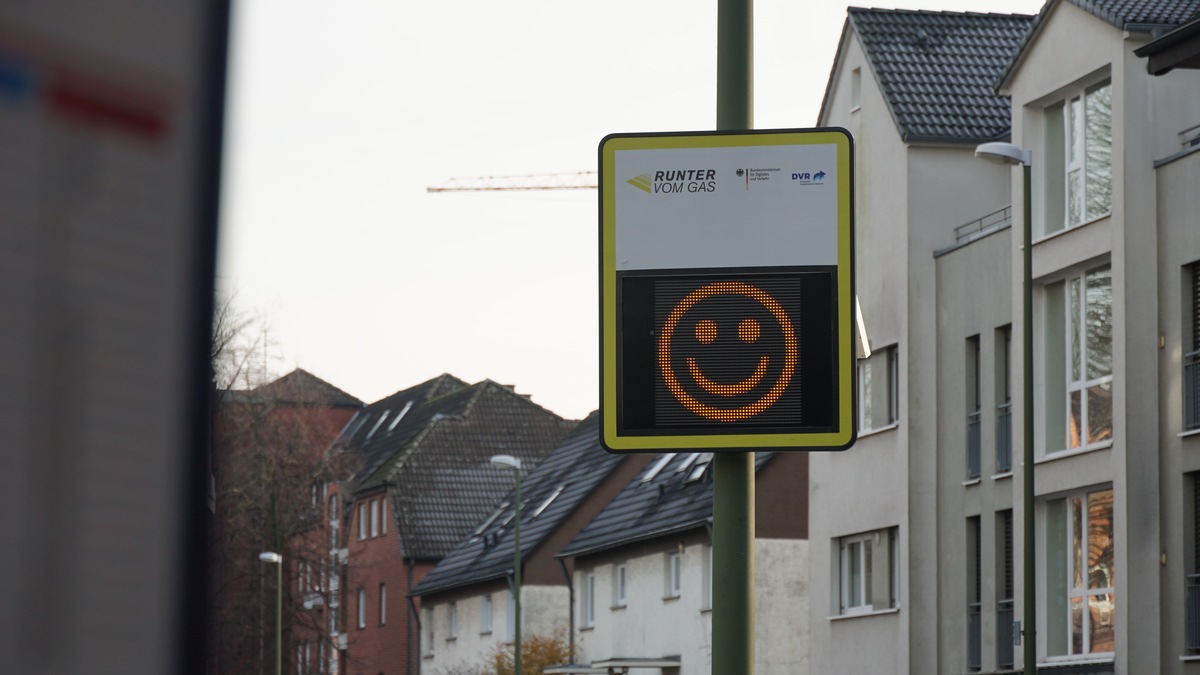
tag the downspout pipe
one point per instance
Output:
(570, 612)
(412, 608)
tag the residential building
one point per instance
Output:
(423, 483)
(643, 570)
(269, 466)
(1114, 172)
(915, 89)
(467, 601)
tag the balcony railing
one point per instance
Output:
(986, 225)
(974, 637)
(1192, 613)
(973, 445)
(1004, 634)
(1191, 390)
(1004, 438)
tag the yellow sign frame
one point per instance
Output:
(845, 407)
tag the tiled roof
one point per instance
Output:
(430, 446)
(560, 482)
(937, 69)
(1127, 13)
(298, 387)
(1158, 16)
(654, 504)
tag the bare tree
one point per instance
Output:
(271, 468)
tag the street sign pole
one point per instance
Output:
(733, 473)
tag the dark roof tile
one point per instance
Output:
(936, 69)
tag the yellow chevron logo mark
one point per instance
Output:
(642, 182)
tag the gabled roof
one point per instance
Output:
(936, 70)
(672, 494)
(298, 387)
(549, 494)
(430, 445)
(1154, 16)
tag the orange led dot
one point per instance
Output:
(749, 330)
(706, 331)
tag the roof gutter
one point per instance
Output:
(632, 540)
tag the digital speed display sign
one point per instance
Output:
(726, 291)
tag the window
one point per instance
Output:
(452, 622)
(333, 507)
(878, 389)
(1004, 396)
(855, 89)
(672, 575)
(485, 614)
(1191, 356)
(362, 521)
(1191, 557)
(706, 599)
(430, 631)
(362, 608)
(1079, 414)
(868, 571)
(509, 630)
(1079, 158)
(383, 516)
(1005, 589)
(1080, 583)
(587, 610)
(619, 572)
(382, 604)
(973, 408)
(374, 518)
(974, 594)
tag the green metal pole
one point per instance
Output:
(1029, 560)
(279, 617)
(517, 577)
(733, 473)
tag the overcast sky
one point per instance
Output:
(342, 113)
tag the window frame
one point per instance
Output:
(620, 584)
(673, 582)
(374, 518)
(362, 608)
(452, 621)
(881, 369)
(485, 614)
(1071, 153)
(1076, 336)
(382, 604)
(362, 521)
(877, 588)
(587, 609)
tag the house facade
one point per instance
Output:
(643, 571)
(1115, 242)
(467, 600)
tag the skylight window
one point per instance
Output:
(491, 519)
(700, 467)
(382, 417)
(400, 416)
(658, 466)
(687, 462)
(549, 499)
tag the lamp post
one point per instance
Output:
(510, 462)
(1007, 153)
(277, 560)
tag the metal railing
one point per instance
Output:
(974, 636)
(1192, 613)
(996, 220)
(973, 443)
(1004, 438)
(1191, 390)
(1004, 634)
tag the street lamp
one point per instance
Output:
(1007, 153)
(510, 462)
(277, 560)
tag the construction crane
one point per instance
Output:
(579, 180)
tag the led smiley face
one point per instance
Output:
(727, 351)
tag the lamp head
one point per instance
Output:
(506, 462)
(1005, 153)
(268, 557)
